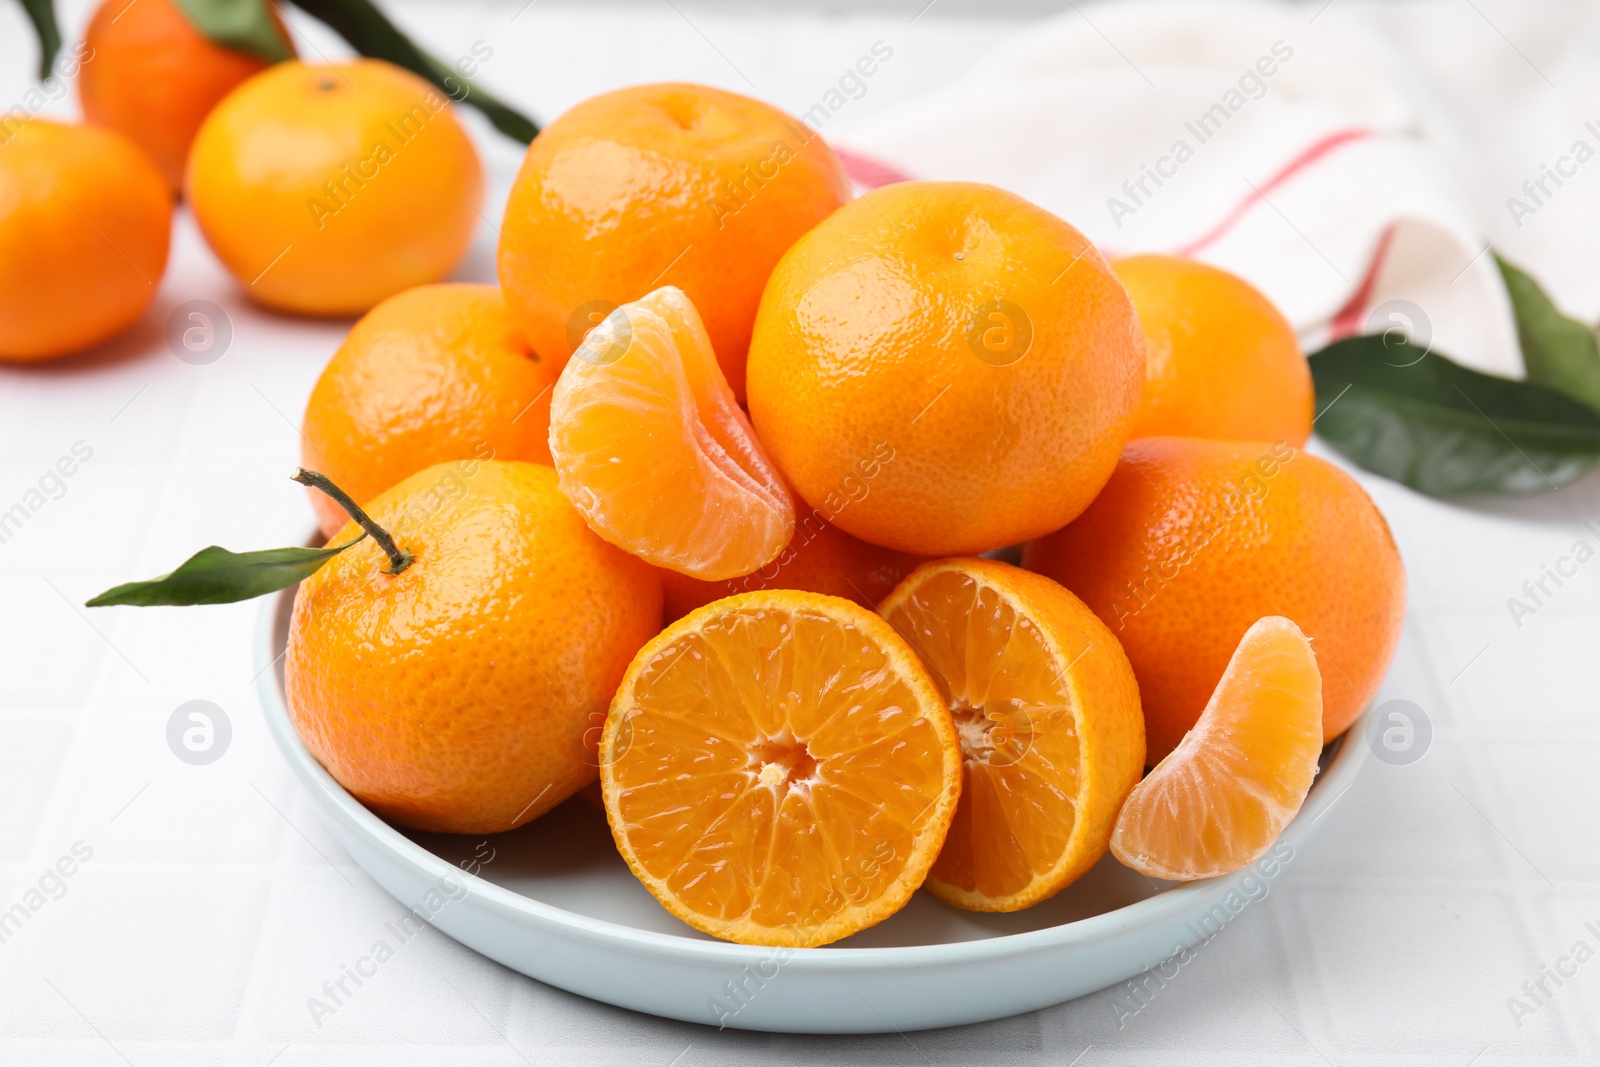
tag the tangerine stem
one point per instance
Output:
(399, 559)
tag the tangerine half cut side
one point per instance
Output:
(779, 769)
(1047, 712)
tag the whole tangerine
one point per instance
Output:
(1221, 361)
(153, 77)
(653, 185)
(85, 221)
(325, 188)
(978, 339)
(457, 695)
(1192, 542)
(432, 374)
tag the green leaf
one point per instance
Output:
(507, 120)
(42, 13)
(1412, 415)
(243, 25)
(216, 576)
(372, 34)
(1557, 351)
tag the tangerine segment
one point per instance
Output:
(1047, 712)
(1222, 797)
(655, 452)
(779, 769)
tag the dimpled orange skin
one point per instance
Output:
(1192, 541)
(1222, 361)
(325, 188)
(455, 695)
(666, 184)
(85, 221)
(862, 344)
(154, 77)
(435, 373)
(819, 559)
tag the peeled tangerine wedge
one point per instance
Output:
(1222, 797)
(1047, 711)
(778, 768)
(654, 451)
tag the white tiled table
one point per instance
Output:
(214, 904)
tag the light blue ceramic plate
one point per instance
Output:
(555, 901)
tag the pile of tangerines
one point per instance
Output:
(854, 545)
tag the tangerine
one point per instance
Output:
(1047, 713)
(819, 558)
(655, 452)
(326, 187)
(668, 184)
(85, 221)
(509, 625)
(431, 374)
(979, 338)
(779, 769)
(1220, 799)
(1192, 541)
(154, 76)
(1221, 361)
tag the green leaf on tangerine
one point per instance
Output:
(243, 25)
(369, 31)
(216, 576)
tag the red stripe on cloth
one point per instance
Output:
(869, 173)
(1315, 152)
(1347, 320)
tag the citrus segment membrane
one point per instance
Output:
(778, 768)
(1222, 797)
(655, 452)
(1047, 714)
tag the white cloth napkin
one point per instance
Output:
(1253, 136)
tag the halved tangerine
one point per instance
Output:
(779, 769)
(654, 451)
(1222, 797)
(1047, 711)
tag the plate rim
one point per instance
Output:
(1332, 782)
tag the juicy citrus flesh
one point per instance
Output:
(1222, 797)
(326, 187)
(778, 768)
(85, 221)
(655, 452)
(975, 338)
(1221, 361)
(661, 184)
(432, 374)
(1192, 541)
(1047, 712)
(819, 558)
(461, 694)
